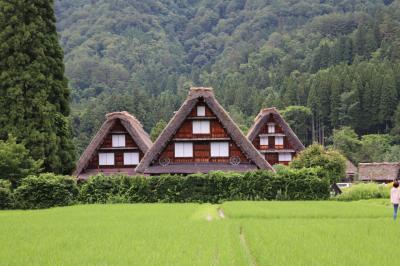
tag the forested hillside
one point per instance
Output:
(339, 59)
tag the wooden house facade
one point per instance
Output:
(201, 137)
(118, 147)
(274, 138)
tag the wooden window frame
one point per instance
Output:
(219, 149)
(130, 159)
(271, 126)
(264, 138)
(285, 154)
(116, 139)
(183, 155)
(201, 110)
(107, 154)
(204, 125)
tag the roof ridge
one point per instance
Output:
(126, 114)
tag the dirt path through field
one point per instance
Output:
(246, 248)
(221, 213)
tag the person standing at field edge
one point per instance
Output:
(395, 198)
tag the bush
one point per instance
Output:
(15, 161)
(214, 187)
(46, 190)
(331, 162)
(6, 199)
(364, 191)
(104, 189)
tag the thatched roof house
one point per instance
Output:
(118, 146)
(201, 137)
(382, 172)
(351, 169)
(273, 137)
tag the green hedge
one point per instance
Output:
(303, 184)
(6, 198)
(49, 190)
(46, 190)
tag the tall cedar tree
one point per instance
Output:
(34, 94)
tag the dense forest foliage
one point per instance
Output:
(326, 64)
(34, 93)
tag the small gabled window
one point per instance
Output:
(118, 140)
(201, 110)
(264, 141)
(106, 158)
(201, 127)
(131, 158)
(219, 149)
(183, 149)
(271, 128)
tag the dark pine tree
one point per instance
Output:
(34, 94)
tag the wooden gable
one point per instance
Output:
(201, 142)
(269, 127)
(106, 147)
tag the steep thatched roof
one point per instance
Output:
(262, 118)
(351, 169)
(195, 94)
(378, 171)
(132, 125)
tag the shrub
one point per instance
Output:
(214, 187)
(15, 161)
(330, 161)
(103, 189)
(46, 190)
(6, 199)
(364, 191)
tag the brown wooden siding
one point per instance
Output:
(209, 113)
(202, 153)
(272, 158)
(118, 157)
(106, 146)
(202, 148)
(216, 131)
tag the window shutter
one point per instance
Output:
(224, 149)
(271, 128)
(264, 140)
(278, 140)
(219, 149)
(131, 158)
(214, 149)
(201, 127)
(106, 158)
(285, 157)
(183, 149)
(201, 110)
(188, 149)
(118, 140)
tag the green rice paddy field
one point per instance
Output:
(251, 233)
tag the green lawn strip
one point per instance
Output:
(303, 233)
(253, 233)
(306, 209)
(140, 234)
(321, 242)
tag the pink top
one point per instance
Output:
(395, 195)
